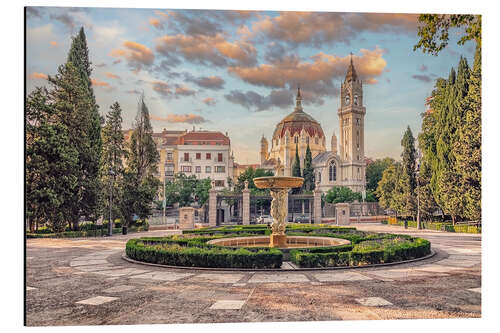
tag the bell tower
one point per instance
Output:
(352, 130)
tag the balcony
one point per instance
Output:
(189, 160)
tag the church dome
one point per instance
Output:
(297, 121)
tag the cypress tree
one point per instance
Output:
(408, 181)
(296, 164)
(308, 171)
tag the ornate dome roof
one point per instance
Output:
(296, 121)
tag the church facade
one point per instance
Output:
(344, 163)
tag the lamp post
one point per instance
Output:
(419, 224)
(164, 198)
(111, 173)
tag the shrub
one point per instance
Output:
(169, 251)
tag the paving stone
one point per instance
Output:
(88, 262)
(340, 276)
(287, 265)
(438, 268)
(459, 263)
(217, 278)
(227, 305)
(119, 289)
(278, 277)
(314, 283)
(122, 272)
(98, 267)
(98, 300)
(476, 290)
(239, 284)
(391, 274)
(162, 276)
(373, 301)
(30, 288)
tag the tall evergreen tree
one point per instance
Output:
(50, 164)
(308, 172)
(139, 185)
(296, 168)
(388, 189)
(113, 153)
(90, 151)
(408, 181)
(467, 148)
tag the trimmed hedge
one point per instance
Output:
(166, 253)
(406, 250)
(439, 226)
(262, 229)
(83, 233)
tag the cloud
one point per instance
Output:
(423, 78)
(315, 77)
(209, 101)
(99, 83)
(155, 23)
(112, 76)
(252, 100)
(134, 92)
(208, 50)
(117, 61)
(181, 118)
(162, 14)
(65, 19)
(33, 12)
(36, 75)
(208, 82)
(171, 91)
(137, 55)
(313, 28)
(100, 65)
(422, 68)
(53, 43)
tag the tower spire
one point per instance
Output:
(351, 72)
(298, 105)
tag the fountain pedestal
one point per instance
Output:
(279, 187)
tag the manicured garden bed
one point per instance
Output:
(86, 232)
(192, 250)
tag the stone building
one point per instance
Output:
(342, 165)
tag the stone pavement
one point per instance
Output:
(85, 282)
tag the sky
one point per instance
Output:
(238, 71)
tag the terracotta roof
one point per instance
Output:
(203, 138)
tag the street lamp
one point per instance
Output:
(111, 174)
(417, 172)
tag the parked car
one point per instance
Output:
(301, 219)
(263, 219)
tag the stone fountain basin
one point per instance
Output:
(292, 242)
(278, 182)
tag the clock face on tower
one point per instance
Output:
(347, 100)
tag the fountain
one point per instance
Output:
(279, 186)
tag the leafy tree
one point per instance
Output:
(182, 189)
(434, 31)
(308, 172)
(408, 182)
(388, 190)
(201, 190)
(339, 194)
(467, 149)
(249, 174)
(50, 164)
(374, 172)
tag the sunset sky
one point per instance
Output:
(238, 71)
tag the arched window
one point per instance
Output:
(332, 171)
(295, 139)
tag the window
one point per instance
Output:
(169, 156)
(357, 121)
(319, 177)
(316, 140)
(169, 170)
(186, 157)
(198, 156)
(307, 140)
(208, 169)
(219, 157)
(355, 99)
(208, 156)
(219, 183)
(295, 139)
(198, 169)
(220, 169)
(186, 168)
(357, 139)
(332, 172)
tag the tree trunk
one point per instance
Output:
(453, 219)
